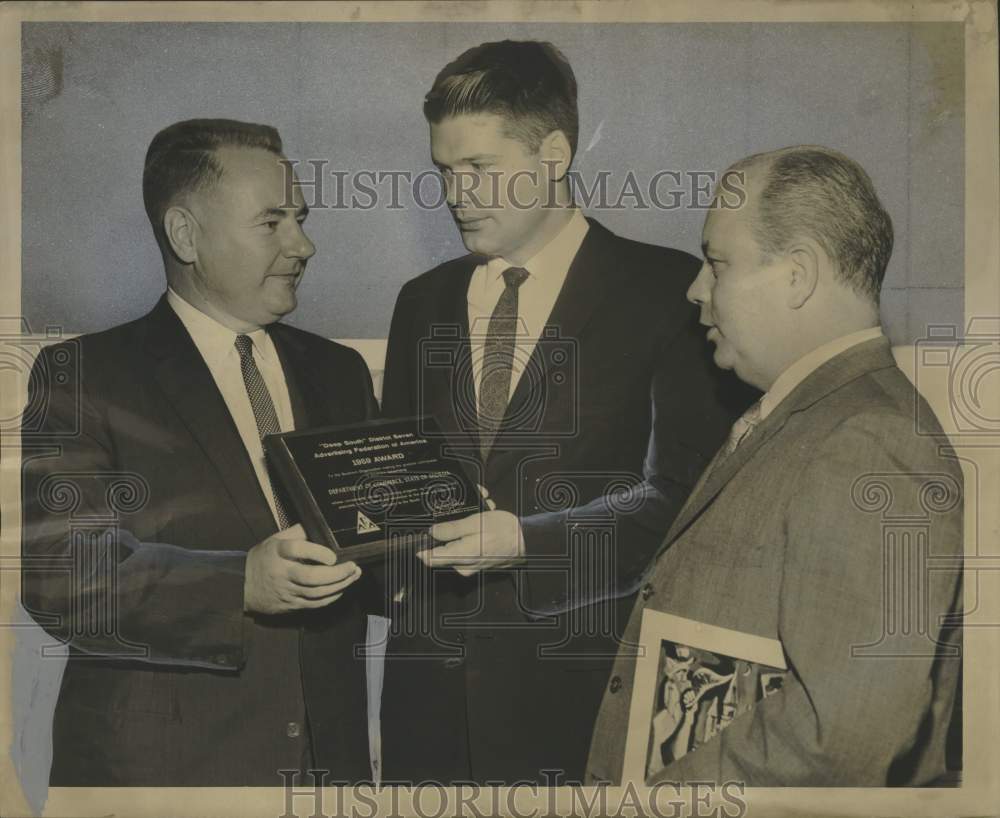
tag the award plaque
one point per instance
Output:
(370, 487)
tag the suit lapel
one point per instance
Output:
(310, 406)
(722, 469)
(848, 366)
(449, 392)
(583, 290)
(188, 385)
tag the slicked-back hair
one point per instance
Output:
(813, 191)
(528, 83)
(182, 159)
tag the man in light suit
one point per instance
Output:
(563, 361)
(792, 533)
(210, 642)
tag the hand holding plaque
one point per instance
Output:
(481, 542)
(367, 488)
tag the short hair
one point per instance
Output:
(182, 158)
(810, 190)
(528, 83)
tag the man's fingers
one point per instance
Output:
(458, 555)
(318, 603)
(454, 529)
(322, 591)
(459, 552)
(293, 532)
(492, 506)
(301, 550)
(314, 576)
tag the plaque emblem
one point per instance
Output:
(366, 526)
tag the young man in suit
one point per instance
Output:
(825, 504)
(563, 361)
(204, 630)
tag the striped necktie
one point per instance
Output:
(498, 359)
(263, 409)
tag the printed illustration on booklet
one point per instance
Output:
(368, 487)
(692, 681)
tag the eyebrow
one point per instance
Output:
(468, 160)
(280, 212)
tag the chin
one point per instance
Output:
(482, 245)
(721, 361)
(280, 309)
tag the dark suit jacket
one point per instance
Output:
(500, 689)
(169, 682)
(835, 528)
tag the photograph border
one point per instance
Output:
(980, 791)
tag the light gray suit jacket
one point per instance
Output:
(836, 528)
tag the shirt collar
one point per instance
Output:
(555, 257)
(215, 341)
(809, 363)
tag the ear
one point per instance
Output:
(181, 230)
(806, 258)
(557, 155)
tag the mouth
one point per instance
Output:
(713, 332)
(290, 278)
(470, 223)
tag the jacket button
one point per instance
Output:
(647, 591)
(460, 638)
(616, 684)
(223, 659)
(293, 729)
(453, 662)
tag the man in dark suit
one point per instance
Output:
(563, 361)
(203, 629)
(828, 526)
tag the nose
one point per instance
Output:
(452, 190)
(298, 244)
(700, 290)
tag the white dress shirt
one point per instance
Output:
(809, 363)
(217, 345)
(547, 271)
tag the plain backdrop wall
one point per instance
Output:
(685, 97)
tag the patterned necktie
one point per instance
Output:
(498, 358)
(743, 427)
(263, 408)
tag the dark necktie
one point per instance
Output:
(263, 408)
(498, 358)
